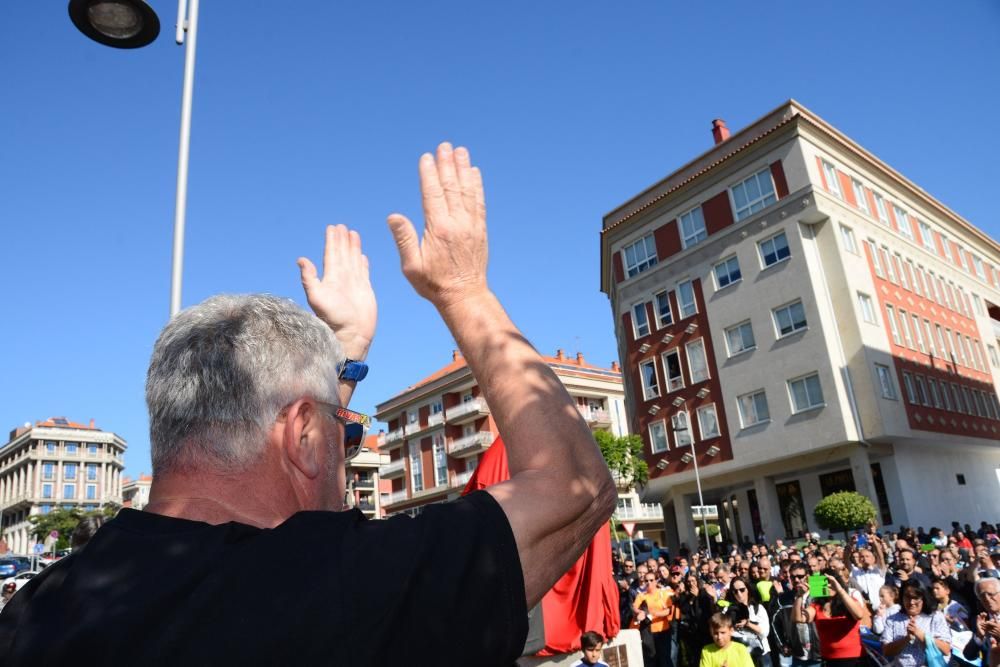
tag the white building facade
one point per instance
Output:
(810, 321)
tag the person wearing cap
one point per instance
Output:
(250, 432)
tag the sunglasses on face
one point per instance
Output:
(356, 427)
(740, 590)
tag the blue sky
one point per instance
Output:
(318, 116)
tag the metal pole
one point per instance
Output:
(701, 499)
(180, 206)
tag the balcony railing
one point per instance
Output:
(644, 511)
(433, 421)
(462, 478)
(468, 410)
(17, 498)
(396, 497)
(470, 444)
(365, 483)
(392, 469)
(595, 417)
(392, 438)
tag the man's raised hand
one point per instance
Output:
(449, 263)
(343, 297)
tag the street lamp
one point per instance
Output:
(131, 24)
(697, 480)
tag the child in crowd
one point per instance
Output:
(592, 645)
(888, 605)
(724, 652)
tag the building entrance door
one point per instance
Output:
(793, 512)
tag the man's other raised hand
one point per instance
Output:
(448, 265)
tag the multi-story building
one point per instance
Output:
(363, 480)
(440, 426)
(135, 492)
(56, 463)
(795, 317)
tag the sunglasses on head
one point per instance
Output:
(356, 427)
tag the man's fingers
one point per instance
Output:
(307, 272)
(448, 175)
(480, 193)
(435, 206)
(407, 241)
(466, 179)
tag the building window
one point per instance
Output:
(650, 386)
(885, 382)
(72, 449)
(893, 325)
(91, 473)
(945, 396)
(918, 335)
(847, 238)
(48, 470)
(92, 450)
(45, 509)
(867, 308)
(774, 250)
(832, 182)
(753, 408)
(890, 267)
(911, 396)
(903, 222)
(977, 303)
(994, 359)
(69, 491)
(739, 338)
(46, 490)
(789, 319)
(440, 461)
(672, 368)
(639, 256)
(708, 422)
(980, 270)
(932, 390)
(663, 313)
(806, 393)
(927, 237)
(915, 277)
(956, 394)
(921, 389)
(640, 321)
(686, 300)
(50, 448)
(697, 362)
(693, 227)
(727, 272)
(883, 213)
(905, 329)
(682, 430)
(416, 468)
(91, 492)
(753, 194)
(901, 269)
(658, 437)
(859, 195)
(437, 408)
(69, 471)
(929, 337)
(876, 258)
(411, 417)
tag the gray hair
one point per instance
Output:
(221, 372)
(986, 580)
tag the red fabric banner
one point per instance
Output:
(586, 597)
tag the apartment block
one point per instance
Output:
(795, 317)
(440, 426)
(56, 464)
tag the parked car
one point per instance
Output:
(20, 579)
(11, 565)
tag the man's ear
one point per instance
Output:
(302, 438)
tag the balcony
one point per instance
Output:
(392, 469)
(434, 421)
(15, 499)
(595, 417)
(996, 327)
(468, 411)
(644, 512)
(365, 484)
(470, 445)
(395, 497)
(462, 478)
(392, 439)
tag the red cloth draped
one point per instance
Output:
(586, 597)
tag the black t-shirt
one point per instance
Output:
(444, 588)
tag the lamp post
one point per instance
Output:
(131, 24)
(697, 480)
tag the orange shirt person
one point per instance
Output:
(659, 601)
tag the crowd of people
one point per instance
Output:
(910, 599)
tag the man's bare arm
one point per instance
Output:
(560, 491)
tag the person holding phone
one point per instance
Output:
(838, 619)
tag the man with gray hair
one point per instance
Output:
(243, 555)
(986, 629)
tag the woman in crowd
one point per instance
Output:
(906, 631)
(696, 606)
(753, 630)
(838, 623)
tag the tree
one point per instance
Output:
(623, 454)
(713, 530)
(61, 520)
(844, 511)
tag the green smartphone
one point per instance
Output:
(928, 547)
(819, 586)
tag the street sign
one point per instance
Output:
(54, 534)
(39, 547)
(629, 527)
